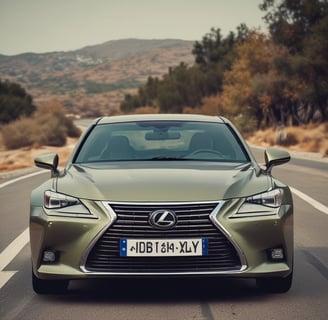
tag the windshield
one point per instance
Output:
(162, 140)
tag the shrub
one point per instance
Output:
(57, 111)
(14, 102)
(49, 127)
(52, 131)
(18, 134)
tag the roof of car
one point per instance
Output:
(160, 117)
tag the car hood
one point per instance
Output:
(161, 181)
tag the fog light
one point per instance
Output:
(49, 256)
(277, 254)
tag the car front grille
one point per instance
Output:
(193, 221)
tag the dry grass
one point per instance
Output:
(24, 157)
(309, 138)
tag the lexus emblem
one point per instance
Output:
(163, 219)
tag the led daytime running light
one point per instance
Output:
(271, 199)
(53, 200)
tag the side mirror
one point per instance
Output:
(48, 161)
(274, 157)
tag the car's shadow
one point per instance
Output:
(159, 290)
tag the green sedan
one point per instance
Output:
(161, 195)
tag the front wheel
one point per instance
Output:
(275, 285)
(41, 286)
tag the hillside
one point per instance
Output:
(93, 80)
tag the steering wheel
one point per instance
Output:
(216, 152)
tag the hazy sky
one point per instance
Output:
(63, 25)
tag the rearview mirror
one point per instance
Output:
(162, 135)
(48, 161)
(274, 157)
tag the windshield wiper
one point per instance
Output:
(164, 158)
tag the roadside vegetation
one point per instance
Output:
(47, 126)
(260, 80)
(307, 138)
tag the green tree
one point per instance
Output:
(291, 21)
(302, 27)
(186, 86)
(214, 49)
(14, 102)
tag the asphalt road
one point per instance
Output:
(179, 299)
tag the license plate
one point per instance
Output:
(163, 247)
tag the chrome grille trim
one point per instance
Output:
(207, 226)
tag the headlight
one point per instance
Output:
(59, 204)
(263, 204)
(54, 200)
(271, 199)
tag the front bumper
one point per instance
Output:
(73, 239)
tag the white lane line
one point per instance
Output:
(13, 249)
(9, 253)
(314, 203)
(5, 276)
(2, 185)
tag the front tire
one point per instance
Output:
(275, 285)
(41, 286)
